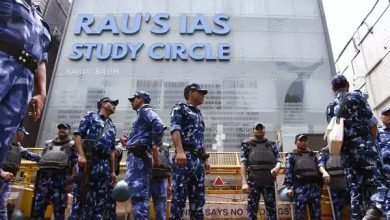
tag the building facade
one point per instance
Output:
(261, 60)
(365, 59)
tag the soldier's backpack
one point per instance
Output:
(56, 155)
(306, 169)
(12, 160)
(338, 177)
(164, 169)
(261, 160)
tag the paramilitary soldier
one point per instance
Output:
(260, 158)
(11, 166)
(95, 143)
(359, 151)
(384, 148)
(24, 41)
(58, 158)
(190, 162)
(333, 173)
(303, 179)
(144, 138)
(160, 183)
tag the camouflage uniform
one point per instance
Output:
(339, 198)
(4, 184)
(255, 192)
(146, 130)
(21, 28)
(99, 179)
(359, 152)
(158, 187)
(158, 191)
(72, 213)
(304, 193)
(189, 180)
(384, 147)
(51, 187)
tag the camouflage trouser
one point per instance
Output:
(137, 178)
(254, 198)
(361, 160)
(307, 194)
(16, 84)
(111, 206)
(72, 213)
(50, 188)
(158, 191)
(4, 195)
(188, 182)
(97, 193)
(339, 199)
(387, 205)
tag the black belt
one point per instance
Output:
(196, 152)
(27, 59)
(139, 149)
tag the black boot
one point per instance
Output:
(373, 213)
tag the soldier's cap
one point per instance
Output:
(107, 99)
(338, 79)
(141, 94)
(258, 125)
(385, 110)
(63, 125)
(23, 129)
(196, 87)
(300, 136)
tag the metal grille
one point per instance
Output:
(224, 159)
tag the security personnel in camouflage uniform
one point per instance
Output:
(11, 166)
(144, 138)
(384, 147)
(339, 195)
(160, 182)
(95, 143)
(190, 161)
(359, 151)
(384, 141)
(260, 158)
(303, 179)
(24, 41)
(58, 158)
